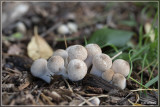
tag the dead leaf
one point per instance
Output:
(14, 49)
(21, 87)
(39, 48)
(149, 30)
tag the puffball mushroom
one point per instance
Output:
(39, 69)
(56, 65)
(77, 52)
(101, 63)
(72, 27)
(92, 50)
(95, 101)
(77, 70)
(119, 80)
(107, 75)
(63, 54)
(63, 29)
(121, 66)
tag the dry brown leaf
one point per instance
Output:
(21, 87)
(38, 48)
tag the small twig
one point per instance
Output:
(116, 55)
(92, 99)
(65, 41)
(144, 90)
(39, 93)
(34, 89)
(47, 99)
(137, 95)
(152, 71)
(15, 71)
(50, 29)
(68, 85)
(86, 101)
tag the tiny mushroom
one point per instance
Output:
(101, 63)
(72, 27)
(77, 52)
(121, 66)
(63, 54)
(95, 101)
(63, 29)
(119, 80)
(56, 65)
(39, 69)
(92, 50)
(77, 70)
(107, 75)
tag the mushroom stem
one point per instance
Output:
(116, 55)
(46, 77)
(63, 72)
(96, 72)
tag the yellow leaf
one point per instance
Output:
(134, 104)
(38, 47)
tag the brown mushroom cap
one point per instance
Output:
(119, 80)
(121, 66)
(107, 75)
(102, 62)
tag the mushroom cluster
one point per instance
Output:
(73, 64)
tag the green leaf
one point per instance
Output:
(130, 23)
(106, 37)
(151, 82)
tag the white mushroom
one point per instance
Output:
(95, 101)
(101, 63)
(39, 69)
(107, 75)
(119, 80)
(77, 70)
(63, 29)
(92, 50)
(121, 66)
(72, 27)
(77, 52)
(63, 54)
(56, 65)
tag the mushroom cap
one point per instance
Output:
(62, 53)
(63, 29)
(55, 64)
(102, 62)
(93, 49)
(121, 66)
(72, 27)
(119, 80)
(77, 52)
(95, 101)
(107, 75)
(39, 67)
(77, 70)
